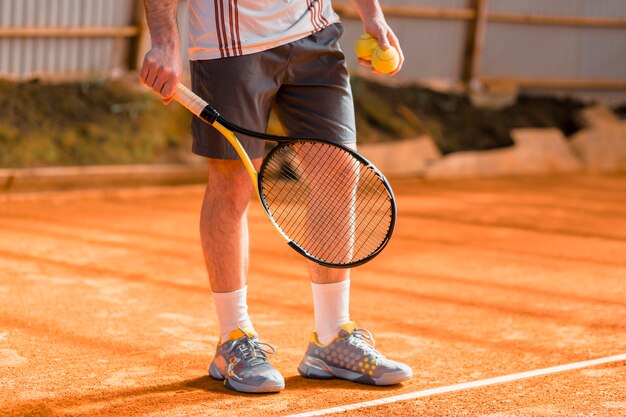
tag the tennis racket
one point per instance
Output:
(330, 203)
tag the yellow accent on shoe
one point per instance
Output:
(348, 326)
(314, 339)
(236, 334)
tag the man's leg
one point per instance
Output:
(331, 297)
(338, 349)
(224, 226)
(240, 358)
(326, 111)
(224, 237)
(243, 89)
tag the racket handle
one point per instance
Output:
(189, 99)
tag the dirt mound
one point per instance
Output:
(116, 122)
(385, 112)
(95, 122)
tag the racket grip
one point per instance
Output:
(195, 104)
(189, 99)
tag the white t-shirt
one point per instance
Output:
(225, 28)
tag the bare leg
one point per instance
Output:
(322, 275)
(224, 226)
(224, 235)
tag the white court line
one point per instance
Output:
(464, 386)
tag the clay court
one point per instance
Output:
(105, 306)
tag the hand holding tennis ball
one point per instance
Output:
(383, 60)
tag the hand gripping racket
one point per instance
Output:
(330, 203)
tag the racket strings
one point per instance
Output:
(291, 171)
(361, 227)
(301, 193)
(326, 201)
(328, 197)
(323, 202)
(314, 243)
(331, 214)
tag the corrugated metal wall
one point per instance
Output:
(183, 26)
(589, 8)
(63, 57)
(556, 51)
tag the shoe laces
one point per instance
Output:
(252, 351)
(363, 339)
(249, 351)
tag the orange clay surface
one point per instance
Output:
(105, 307)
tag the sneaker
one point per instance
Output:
(352, 356)
(242, 364)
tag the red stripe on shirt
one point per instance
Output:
(318, 14)
(232, 29)
(321, 13)
(312, 11)
(223, 27)
(217, 25)
(237, 27)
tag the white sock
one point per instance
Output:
(331, 304)
(232, 311)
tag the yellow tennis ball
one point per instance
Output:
(365, 45)
(385, 61)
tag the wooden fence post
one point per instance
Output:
(478, 42)
(141, 43)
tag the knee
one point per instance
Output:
(230, 182)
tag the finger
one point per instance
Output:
(143, 74)
(383, 41)
(398, 68)
(365, 62)
(152, 77)
(167, 90)
(163, 76)
(396, 44)
(159, 83)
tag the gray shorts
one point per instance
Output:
(306, 81)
